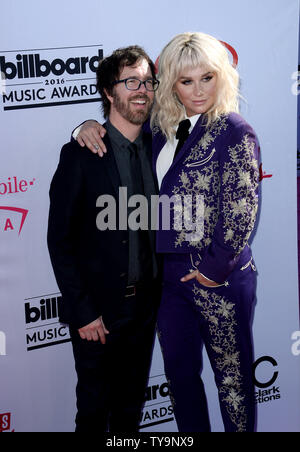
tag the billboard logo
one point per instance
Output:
(2, 344)
(2, 83)
(43, 328)
(49, 77)
(12, 218)
(158, 408)
(32, 66)
(235, 57)
(263, 174)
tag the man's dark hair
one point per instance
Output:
(110, 68)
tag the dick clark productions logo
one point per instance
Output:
(267, 391)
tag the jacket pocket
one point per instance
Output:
(203, 161)
(249, 264)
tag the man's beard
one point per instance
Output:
(134, 117)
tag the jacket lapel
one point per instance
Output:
(110, 163)
(151, 187)
(196, 135)
(159, 142)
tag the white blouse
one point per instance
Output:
(166, 155)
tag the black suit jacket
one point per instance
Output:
(91, 266)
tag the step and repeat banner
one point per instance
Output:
(49, 53)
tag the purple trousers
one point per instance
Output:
(192, 316)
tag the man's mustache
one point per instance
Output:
(140, 97)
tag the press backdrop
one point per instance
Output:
(48, 57)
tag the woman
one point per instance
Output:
(212, 305)
(209, 276)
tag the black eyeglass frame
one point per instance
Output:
(125, 80)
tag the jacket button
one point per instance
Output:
(122, 275)
(124, 242)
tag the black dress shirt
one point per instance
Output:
(142, 264)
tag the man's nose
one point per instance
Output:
(142, 87)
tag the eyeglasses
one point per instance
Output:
(134, 84)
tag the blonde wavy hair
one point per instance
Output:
(190, 50)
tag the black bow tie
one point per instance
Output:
(182, 134)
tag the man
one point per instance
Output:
(108, 277)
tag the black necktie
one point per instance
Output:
(140, 253)
(136, 171)
(182, 134)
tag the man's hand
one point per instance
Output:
(200, 278)
(90, 135)
(95, 331)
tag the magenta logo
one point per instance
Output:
(5, 422)
(235, 57)
(9, 222)
(13, 185)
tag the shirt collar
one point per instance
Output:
(193, 120)
(116, 136)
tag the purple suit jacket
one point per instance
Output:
(216, 176)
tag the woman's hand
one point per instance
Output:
(91, 135)
(200, 278)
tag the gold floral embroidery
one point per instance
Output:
(200, 150)
(240, 201)
(196, 183)
(220, 315)
(236, 181)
